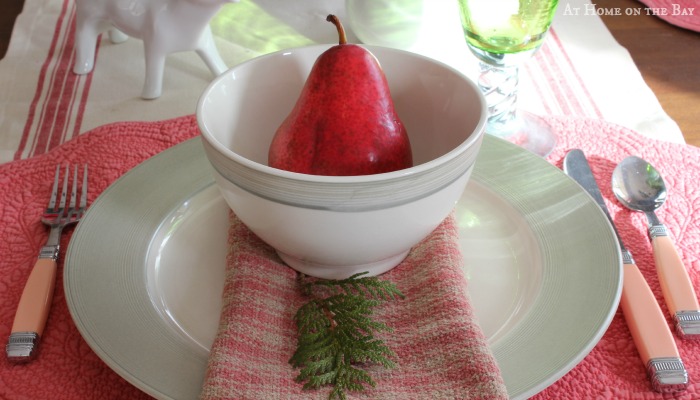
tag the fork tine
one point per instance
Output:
(74, 190)
(54, 190)
(64, 192)
(83, 196)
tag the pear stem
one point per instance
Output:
(341, 31)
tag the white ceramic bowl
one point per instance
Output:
(330, 226)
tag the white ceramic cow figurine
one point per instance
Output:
(165, 26)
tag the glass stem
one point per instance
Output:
(500, 87)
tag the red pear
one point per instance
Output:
(343, 122)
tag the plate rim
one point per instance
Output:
(186, 162)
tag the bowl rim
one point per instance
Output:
(475, 136)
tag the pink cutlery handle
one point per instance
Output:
(676, 286)
(33, 308)
(650, 330)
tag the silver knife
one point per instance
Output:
(644, 317)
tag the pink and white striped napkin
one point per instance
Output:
(440, 350)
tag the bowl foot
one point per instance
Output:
(326, 271)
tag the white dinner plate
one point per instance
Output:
(145, 268)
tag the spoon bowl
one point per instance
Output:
(640, 187)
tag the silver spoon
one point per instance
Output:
(640, 187)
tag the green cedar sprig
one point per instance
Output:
(337, 333)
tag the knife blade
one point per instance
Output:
(647, 324)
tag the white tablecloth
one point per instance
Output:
(581, 70)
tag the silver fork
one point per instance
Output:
(34, 305)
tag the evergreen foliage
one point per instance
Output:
(337, 333)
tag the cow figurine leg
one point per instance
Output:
(87, 30)
(155, 65)
(206, 49)
(116, 36)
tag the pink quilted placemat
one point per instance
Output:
(613, 370)
(68, 369)
(683, 13)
